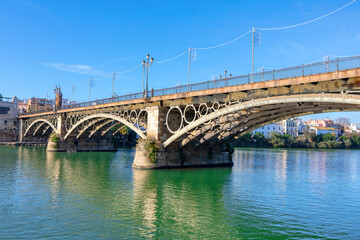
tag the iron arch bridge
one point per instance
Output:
(192, 125)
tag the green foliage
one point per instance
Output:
(328, 137)
(308, 140)
(345, 140)
(278, 140)
(151, 146)
(355, 140)
(125, 137)
(54, 138)
(259, 139)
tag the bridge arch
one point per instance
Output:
(105, 116)
(235, 119)
(42, 120)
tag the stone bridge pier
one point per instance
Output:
(162, 123)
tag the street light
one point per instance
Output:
(146, 64)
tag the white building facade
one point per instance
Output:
(325, 130)
(268, 129)
(290, 126)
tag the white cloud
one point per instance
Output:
(81, 69)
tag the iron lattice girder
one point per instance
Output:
(45, 130)
(119, 129)
(99, 127)
(112, 117)
(108, 129)
(35, 121)
(230, 138)
(331, 99)
(232, 119)
(265, 120)
(240, 123)
(38, 127)
(91, 123)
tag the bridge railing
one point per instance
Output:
(302, 70)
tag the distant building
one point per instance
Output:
(352, 128)
(290, 126)
(66, 101)
(319, 122)
(38, 104)
(301, 126)
(326, 123)
(325, 130)
(268, 129)
(8, 120)
(22, 106)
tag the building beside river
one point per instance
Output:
(270, 128)
(38, 104)
(325, 130)
(8, 120)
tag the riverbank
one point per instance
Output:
(309, 140)
(22, 144)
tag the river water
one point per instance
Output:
(272, 194)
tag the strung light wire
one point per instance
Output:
(167, 60)
(313, 20)
(317, 60)
(65, 89)
(226, 43)
(338, 56)
(130, 70)
(101, 78)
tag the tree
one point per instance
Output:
(328, 137)
(355, 140)
(279, 140)
(345, 141)
(343, 121)
(259, 139)
(243, 141)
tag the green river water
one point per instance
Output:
(267, 194)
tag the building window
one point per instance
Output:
(14, 123)
(5, 122)
(4, 110)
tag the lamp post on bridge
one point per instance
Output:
(146, 64)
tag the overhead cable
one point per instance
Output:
(313, 20)
(101, 78)
(132, 69)
(226, 43)
(167, 60)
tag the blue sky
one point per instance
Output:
(47, 43)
